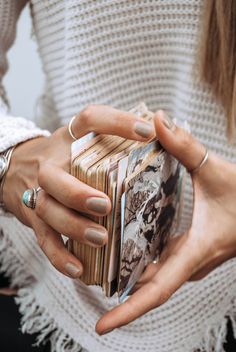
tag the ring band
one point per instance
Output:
(204, 160)
(29, 197)
(70, 128)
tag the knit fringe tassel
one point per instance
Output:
(35, 319)
(215, 336)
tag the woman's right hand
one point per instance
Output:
(45, 162)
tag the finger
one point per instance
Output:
(173, 245)
(104, 119)
(7, 291)
(147, 276)
(52, 245)
(71, 192)
(178, 142)
(74, 226)
(177, 268)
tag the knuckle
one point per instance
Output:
(42, 242)
(186, 140)
(73, 227)
(43, 174)
(54, 260)
(164, 296)
(87, 114)
(122, 120)
(41, 205)
(44, 245)
(75, 198)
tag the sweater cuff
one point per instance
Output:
(14, 130)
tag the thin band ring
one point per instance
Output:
(70, 128)
(204, 160)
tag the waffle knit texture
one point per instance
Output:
(116, 52)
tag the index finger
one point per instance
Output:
(103, 119)
(176, 270)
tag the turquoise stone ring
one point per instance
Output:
(29, 197)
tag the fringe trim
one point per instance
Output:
(35, 319)
(9, 264)
(215, 336)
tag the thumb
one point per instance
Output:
(178, 142)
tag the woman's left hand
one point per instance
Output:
(210, 241)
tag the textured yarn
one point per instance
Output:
(116, 52)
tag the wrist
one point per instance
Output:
(22, 173)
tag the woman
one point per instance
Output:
(119, 53)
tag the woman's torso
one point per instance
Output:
(121, 52)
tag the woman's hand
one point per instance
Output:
(210, 241)
(45, 162)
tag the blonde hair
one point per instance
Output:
(218, 55)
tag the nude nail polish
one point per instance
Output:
(166, 120)
(73, 270)
(143, 129)
(95, 236)
(98, 205)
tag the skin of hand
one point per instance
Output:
(45, 162)
(210, 240)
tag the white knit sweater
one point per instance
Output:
(117, 52)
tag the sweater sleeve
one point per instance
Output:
(13, 130)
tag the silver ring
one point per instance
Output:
(204, 160)
(29, 197)
(70, 128)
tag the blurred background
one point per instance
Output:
(24, 80)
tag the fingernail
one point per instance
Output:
(166, 120)
(143, 129)
(98, 205)
(95, 236)
(73, 270)
(107, 331)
